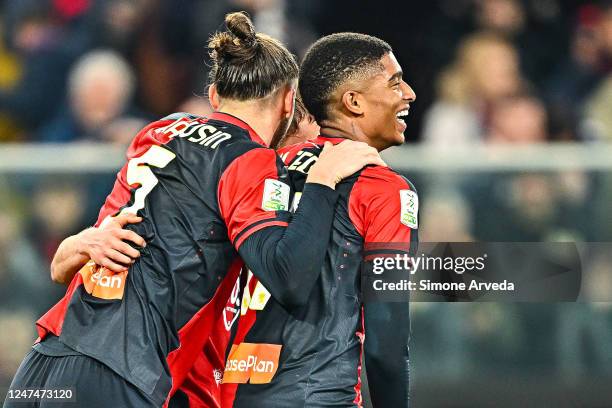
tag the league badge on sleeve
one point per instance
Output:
(409, 208)
(275, 196)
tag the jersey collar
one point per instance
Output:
(321, 139)
(226, 117)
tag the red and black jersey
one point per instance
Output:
(202, 186)
(311, 356)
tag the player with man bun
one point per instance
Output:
(211, 195)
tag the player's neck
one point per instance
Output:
(344, 128)
(261, 121)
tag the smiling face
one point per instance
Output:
(385, 102)
(352, 84)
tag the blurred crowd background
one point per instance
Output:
(486, 72)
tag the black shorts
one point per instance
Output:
(93, 385)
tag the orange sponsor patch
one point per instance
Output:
(102, 283)
(251, 362)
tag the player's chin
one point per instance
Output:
(400, 128)
(399, 139)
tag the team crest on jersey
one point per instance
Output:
(232, 307)
(275, 196)
(409, 213)
(218, 375)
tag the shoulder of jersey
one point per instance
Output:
(199, 132)
(188, 117)
(181, 115)
(295, 148)
(381, 173)
(288, 153)
(203, 131)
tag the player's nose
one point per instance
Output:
(407, 92)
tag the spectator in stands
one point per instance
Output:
(446, 218)
(45, 49)
(23, 284)
(577, 78)
(584, 332)
(485, 71)
(48, 228)
(15, 340)
(597, 120)
(518, 119)
(11, 70)
(505, 17)
(534, 27)
(116, 23)
(100, 88)
(196, 105)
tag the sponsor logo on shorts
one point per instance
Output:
(251, 362)
(102, 283)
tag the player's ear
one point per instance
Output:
(353, 102)
(289, 102)
(213, 97)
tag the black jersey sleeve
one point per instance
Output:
(285, 252)
(288, 260)
(386, 353)
(384, 207)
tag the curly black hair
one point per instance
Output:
(333, 60)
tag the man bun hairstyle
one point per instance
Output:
(246, 64)
(241, 26)
(332, 61)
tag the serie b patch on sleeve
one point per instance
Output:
(275, 196)
(409, 213)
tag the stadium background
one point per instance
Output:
(509, 140)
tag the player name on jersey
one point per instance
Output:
(197, 132)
